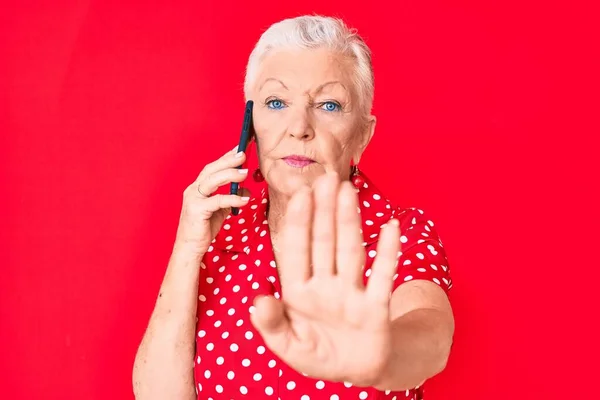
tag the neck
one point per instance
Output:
(276, 210)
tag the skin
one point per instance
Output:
(305, 104)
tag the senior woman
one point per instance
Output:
(319, 288)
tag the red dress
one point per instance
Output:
(232, 361)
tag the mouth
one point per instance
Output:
(298, 161)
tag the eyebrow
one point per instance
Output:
(274, 80)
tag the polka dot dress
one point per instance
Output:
(232, 361)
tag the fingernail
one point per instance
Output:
(239, 154)
(245, 198)
(395, 222)
(236, 147)
(243, 171)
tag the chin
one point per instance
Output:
(288, 180)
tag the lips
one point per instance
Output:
(298, 161)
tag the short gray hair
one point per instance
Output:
(315, 31)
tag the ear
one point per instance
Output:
(365, 138)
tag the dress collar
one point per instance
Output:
(239, 232)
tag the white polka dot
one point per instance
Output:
(403, 239)
(257, 262)
(376, 196)
(276, 295)
(366, 204)
(436, 280)
(272, 264)
(305, 397)
(236, 288)
(257, 377)
(234, 347)
(210, 248)
(229, 247)
(235, 256)
(201, 333)
(408, 278)
(260, 247)
(225, 335)
(230, 375)
(226, 227)
(202, 297)
(217, 324)
(207, 374)
(246, 362)
(291, 385)
(215, 258)
(220, 360)
(244, 299)
(255, 285)
(271, 279)
(241, 221)
(243, 390)
(414, 221)
(368, 273)
(368, 222)
(424, 234)
(421, 270)
(244, 231)
(260, 349)
(249, 335)
(210, 347)
(239, 322)
(269, 390)
(198, 360)
(363, 395)
(263, 233)
(216, 291)
(244, 239)
(348, 384)
(395, 276)
(242, 267)
(420, 256)
(228, 278)
(320, 385)
(334, 397)
(254, 206)
(231, 311)
(272, 364)
(223, 300)
(433, 267)
(379, 214)
(250, 277)
(251, 309)
(199, 387)
(228, 238)
(210, 313)
(209, 280)
(222, 268)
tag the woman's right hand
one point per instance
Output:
(202, 213)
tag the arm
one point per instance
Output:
(422, 330)
(163, 367)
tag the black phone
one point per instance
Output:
(245, 140)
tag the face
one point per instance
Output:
(307, 118)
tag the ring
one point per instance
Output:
(201, 192)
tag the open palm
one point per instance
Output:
(328, 325)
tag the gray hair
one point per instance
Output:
(315, 31)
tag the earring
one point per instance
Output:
(257, 175)
(357, 180)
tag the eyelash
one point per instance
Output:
(269, 103)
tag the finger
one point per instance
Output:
(294, 265)
(222, 201)
(212, 182)
(381, 281)
(270, 321)
(230, 159)
(323, 225)
(350, 253)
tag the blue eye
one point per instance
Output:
(331, 106)
(275, 104)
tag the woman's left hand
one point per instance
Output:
(328, 325)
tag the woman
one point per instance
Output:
(319, 288)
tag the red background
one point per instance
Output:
(487, 112)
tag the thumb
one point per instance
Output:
(269, 316)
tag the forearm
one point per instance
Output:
(421, 345)
(164, 363)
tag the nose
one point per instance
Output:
(300, 125)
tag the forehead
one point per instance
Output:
(306, 68)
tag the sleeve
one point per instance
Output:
(422, 254)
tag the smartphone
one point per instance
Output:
(245, 139)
